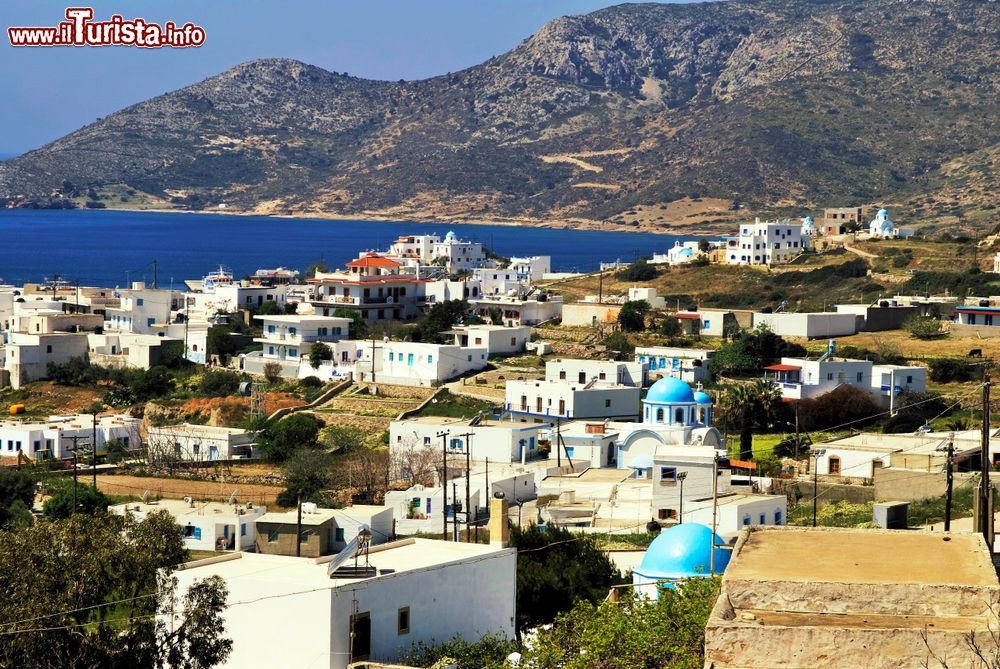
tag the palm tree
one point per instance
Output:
(748, 401)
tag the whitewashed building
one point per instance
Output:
(548, 401)
(767, 243)
(692, 365)
(140, 309)
(496, 440)
(205, 526)
(54, 438)
(810, 325)
(418, 364)
(497, 339)
(287, 340)
(198, 443)
(600, 372)
(457, 255)
(515, 310)
(315, 620)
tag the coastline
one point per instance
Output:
(378, 217)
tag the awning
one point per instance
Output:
(782, 368)
(694, 317)
(742, 464)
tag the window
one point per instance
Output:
(272, 536)
(271, 329)
(602, 376)
(746, 521)
(513, 341)
(668, 475)
(470, 358)
(833, 465)
(562, 375)
(339, 534)
(293, 353)
(829, 376)
(777, 517)
(243, 529)
(479, 340)
(430, 359)
(403, 620)
(48, 348)
(562, 407)
(270, 350)
(909, 379)
(304, 537)
(409, 359)
(659, 415)
(138, 302)
(391, 356)
(427, 441)
(860, 377)
(607, 404)
(582, 377)
(292, 332)
(679, 416)
(707, 324)
(762, 519)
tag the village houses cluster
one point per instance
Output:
(611, 443)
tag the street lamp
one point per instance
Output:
(817, 454)
(680, 512)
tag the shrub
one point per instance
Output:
(311, 382)
(272, 372)
(219, 383)
(946, 370)
(632, 317)
(923, 327)
(640, 270)
(319, 353)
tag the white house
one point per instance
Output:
(801, 378)
(372, 286)
(497, 339)
(547, 401)
(811, 325)
(199, 443)
(314, 619)
(205, 526)
(326, 531)
(767, 243)
(515, 310)
(287, 340)
(494, 440)
(141, 308)
(458, 255)
(530, 269)
(54, 438)
(419, 364)
(601, 372)
(648, 295)
(691, 365)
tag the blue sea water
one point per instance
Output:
(109, 248)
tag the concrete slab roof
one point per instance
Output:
(863, 556)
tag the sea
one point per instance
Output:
(114, 248)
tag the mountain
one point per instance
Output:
(633, 114)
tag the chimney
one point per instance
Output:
(499, 528)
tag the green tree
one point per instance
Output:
(219, 383)
(319, 353)
(220, 341)
(670, 327)
(269, 308)
(358, 328)
(640, 270)
(555, 569)
(341, 438)
(631, 633)
(441, 317)
(489, 652)
(496, 315)
(16, 487)
(733, 357)
(89, 501)
(632, 317)
(280, 440)
(924, 327)
(153, 383)
(307, 474)
(319, 266)
(100, 582)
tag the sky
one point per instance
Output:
(49, 92)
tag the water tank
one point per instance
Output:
(246, 388)
(542, 297)
(883, 303)
(984, 303)
(309, 507)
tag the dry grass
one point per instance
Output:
(134, 486)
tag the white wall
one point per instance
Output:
(605, 371)
(811, 325)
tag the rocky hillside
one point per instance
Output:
(611, 116)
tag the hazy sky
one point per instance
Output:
(48, 92)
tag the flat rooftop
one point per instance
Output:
(303, 318)
(863, 556)
(464, 422)
(178, 507)
(400, 556)
(320, 516)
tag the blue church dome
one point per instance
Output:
(682, 551)
(701, 397)
(669, 390)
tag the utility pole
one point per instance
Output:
(373, 356)
(680, 513)
(817, 454)
(93, 452)
(558, 442)
(454, 520)
(600, 286)
(796, 405)
(985, 491)
(949, 468)
(75, 438)
(715, 508)
(298, 526)
(468, 473)
(444, 483)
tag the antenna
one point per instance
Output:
(146, 495)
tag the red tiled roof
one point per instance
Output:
(694, 317)
(782, 368)
(373, 260)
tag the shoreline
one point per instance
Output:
(375, 217)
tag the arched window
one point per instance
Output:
(659, 415)
(679, 416)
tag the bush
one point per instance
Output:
(311, 382)
(487, 653)
(219, 383)
(272, 372)
(269, 308)
(923, 327)
(842, 405)
(632, 317)
(319, 353)
(640, 270)
(88, 500)
(947, 370)
(617, 341)
(152, 383)
(280, 440)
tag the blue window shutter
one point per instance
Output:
(197, 533)
(243, 530)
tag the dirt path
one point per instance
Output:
(863, 254)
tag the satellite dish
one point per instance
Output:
(146, 495)
(232, 498)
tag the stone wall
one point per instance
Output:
(906, 485)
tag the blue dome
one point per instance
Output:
(883, 212)
(701, 397)
(669, 390)
(681, 551)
